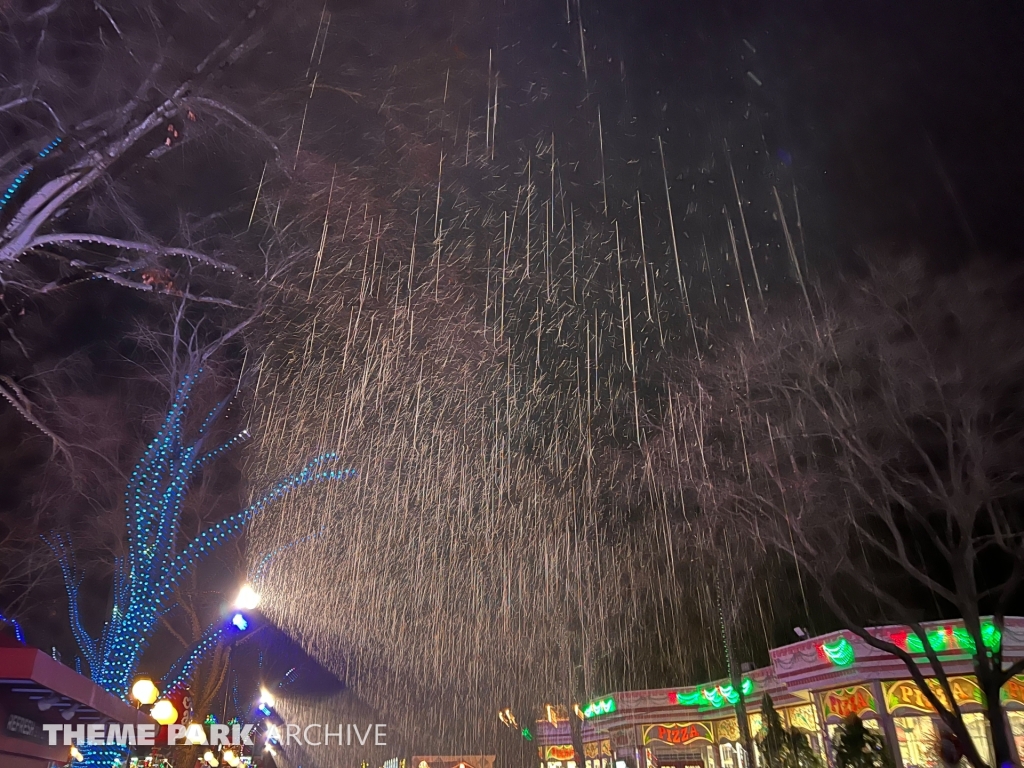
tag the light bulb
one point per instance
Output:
(247, 599)
(164, 712)
(144, 691)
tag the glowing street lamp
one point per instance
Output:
(211, 759)
(247, 599)
(164, 712)
(144, 691)
(229, 758)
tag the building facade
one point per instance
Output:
(814, 684)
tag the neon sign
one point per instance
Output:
(715, 697)
(677, 733)
(561, 752)
(839, 652)
(950, 638)
(599, 707)
(843, 702)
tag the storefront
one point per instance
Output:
(558, 756)
(679, 744)
(36, 691)
(854, 701)
(597, 754)
(814, 685)
(916, 724)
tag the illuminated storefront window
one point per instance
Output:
(917, 739)
(805, 720)
(597, 754)
(977, 726)
(1017, 729)
(869, 725)
(727, 754)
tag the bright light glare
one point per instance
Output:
(164, 712)
(247, 599)
(144, 691)
(266, 697)
(211, 759)
(195, 734)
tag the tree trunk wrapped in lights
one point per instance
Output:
(155, 562)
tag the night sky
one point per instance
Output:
(899, 125)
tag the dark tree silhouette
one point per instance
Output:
(876, 438)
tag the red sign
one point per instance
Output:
(1013, 690)
(847, 701)
(181, 698)
(561, 752)
(677, 733)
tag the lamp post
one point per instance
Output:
(144, 692)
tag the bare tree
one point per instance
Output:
(95, 104)
(877, 440)
(61, 160)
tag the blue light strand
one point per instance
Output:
(101, 755)
(49, 147)
(15, 626)
(182, 669)
(146, 577)
(69, 571)
(12, 189)
(268, 559)
(217, 534)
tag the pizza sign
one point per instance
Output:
(844, 702)
(677, 733)
(561, 752)
(1013, 690)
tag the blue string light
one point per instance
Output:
(145, 579)
(15, 626)
(102, 756)
(13, 187)
(268, 559)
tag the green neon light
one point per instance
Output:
(963, 640)
(691, 699)
(949, 638)
(839, 652)
(938, 640)
(599, 707)
(991, 637)
(715, 697)
(526, 734)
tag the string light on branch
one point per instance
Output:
(156, 561)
